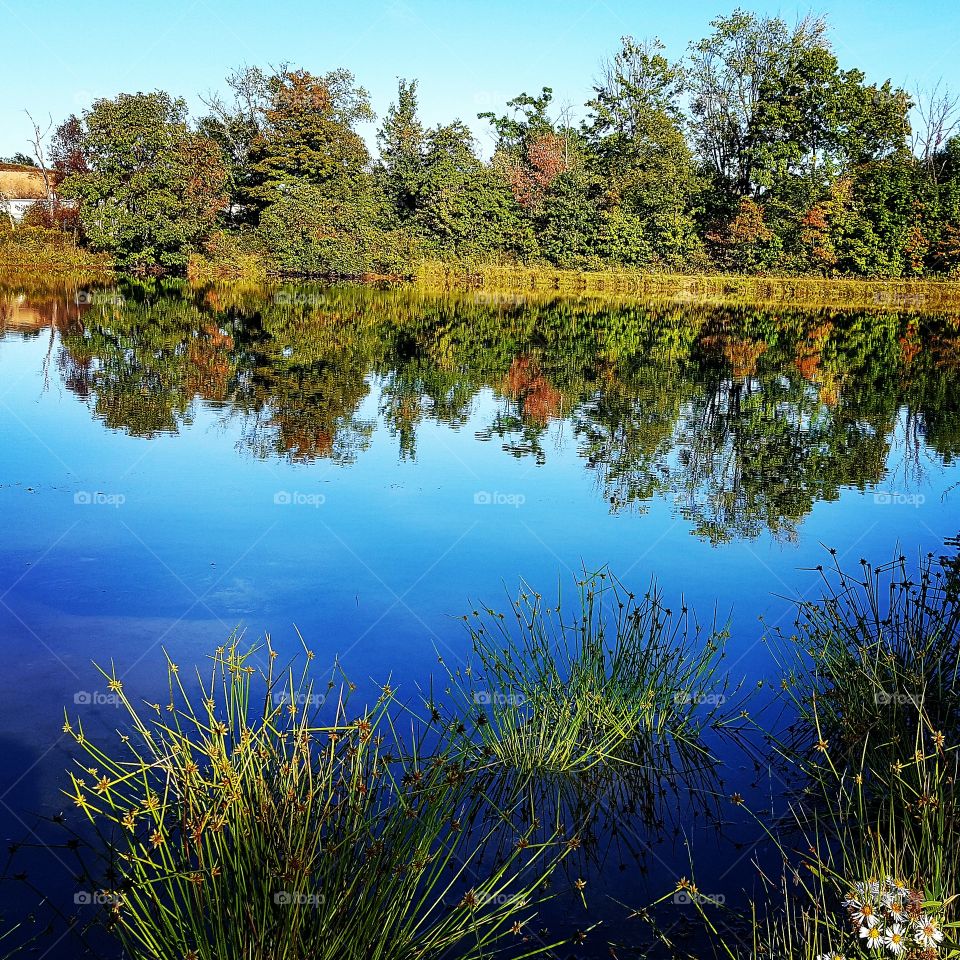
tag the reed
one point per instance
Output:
(910, 296)
(873, 837)
(564, 692)
(236, 825)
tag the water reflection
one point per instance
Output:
(743, 418)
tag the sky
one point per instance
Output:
(468, 57)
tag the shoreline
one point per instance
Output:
(719, 289)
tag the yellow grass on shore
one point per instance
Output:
(901, 295)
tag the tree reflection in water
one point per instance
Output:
(743, 417)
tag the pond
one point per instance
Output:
(360, 467)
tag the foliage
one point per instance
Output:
(309, 136)
(241, 823)
(757, 152)
(152, 188)
(563, 691)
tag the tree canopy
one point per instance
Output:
(756, 151)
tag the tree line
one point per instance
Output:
(756, 152)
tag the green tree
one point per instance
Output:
(639, 151)
(149, 188)
(312, 230)
(237, 126)
(402, 141)
(466, 208)
(309, 136)
(730, 76)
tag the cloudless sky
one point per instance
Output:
(57, 57)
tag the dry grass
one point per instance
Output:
(21, 183)
(901, 295)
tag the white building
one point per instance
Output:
(20, 188)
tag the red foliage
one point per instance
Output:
(539, 399)
(531, 176)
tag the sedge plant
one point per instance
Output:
(235, 825)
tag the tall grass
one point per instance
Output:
(873, 668)
(236, 826)
(871, 680)
(564, 691)
(847, 850)
(901, 295)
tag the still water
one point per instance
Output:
(363, 466)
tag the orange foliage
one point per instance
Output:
(815, 218)
(209, 364)
(540, 400)
(909, 343)
(748, 226)
(808, 354)
(545, 160)
(743, 356)
(916, 249)
(301, 443)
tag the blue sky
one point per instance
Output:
(468, 57)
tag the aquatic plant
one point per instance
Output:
(241, 826)
(872, 681)
(879, 648)
(872, 750)
(563, 691)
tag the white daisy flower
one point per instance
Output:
(863, 913)
(894, 939)
(895, 905)
(831, 956)
(872, 936)
(896, 888)
(928, 932)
